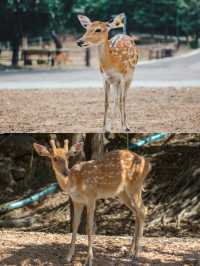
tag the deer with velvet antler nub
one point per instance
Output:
(118, 57)
(119, 173)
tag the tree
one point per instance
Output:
(189, 15)
(20, 18)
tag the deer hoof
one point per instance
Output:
(66, 261)
(127, 129)
(107, 128)
(133, 253)
(134, 258)
(88, 262)
(69, 258)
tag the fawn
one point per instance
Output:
(119, 173)
(117, 57)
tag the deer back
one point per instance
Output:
(109, 176)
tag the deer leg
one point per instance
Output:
(114, 109)
(139, 224)
(107, 127)
(121, 106)
(116, 99)
(90, 216)
(124, 198)
(124, 96)
(78, 208)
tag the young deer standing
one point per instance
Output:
(119, 174)
(118, 58)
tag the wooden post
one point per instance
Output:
(150, 54)
(87, 57)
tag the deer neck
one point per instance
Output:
(104, 53)
(63, 181)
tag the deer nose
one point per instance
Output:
(65, 172)
(80, 42)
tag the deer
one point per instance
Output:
(119, 173)
(118, 58)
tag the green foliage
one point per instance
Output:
(153, 16)
(189, 13)
(32, 17)
(35, 17)
(39, 17)
(20, 18)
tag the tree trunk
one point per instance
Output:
(94, 150)
(15, 51)
(197, 39)
(166, 34)
(94, 146)
(17, 35)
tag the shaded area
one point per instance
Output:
(172, 191)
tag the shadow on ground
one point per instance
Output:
(53, 254)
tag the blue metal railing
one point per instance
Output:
(148, 140)
(27, 201)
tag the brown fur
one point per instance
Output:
(119, 173)
(122, 57)
(117, 57)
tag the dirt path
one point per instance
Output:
(24, 248)
(149, 110)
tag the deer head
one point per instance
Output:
(59, 156)
(97, 31)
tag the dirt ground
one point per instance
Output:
(148, 110)
(28, 248)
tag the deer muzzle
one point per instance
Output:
(65, 172)
(80, 42)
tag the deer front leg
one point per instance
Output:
(90, 216)
(107, 126)
(78, 208)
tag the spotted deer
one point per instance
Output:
(119, 173)
(118, 57)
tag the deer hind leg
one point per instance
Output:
(78, 208)
(123, 106)
(90, 220)
(107, 126)
(139, 223)
(124, 198)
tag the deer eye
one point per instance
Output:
(98, 30)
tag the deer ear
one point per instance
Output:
(41, 150)
(117, 22)
(75, 149)
(85, 21)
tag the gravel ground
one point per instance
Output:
(28, 248)
(148, 110)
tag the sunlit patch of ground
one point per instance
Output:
(148, 110)
(28, 248)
